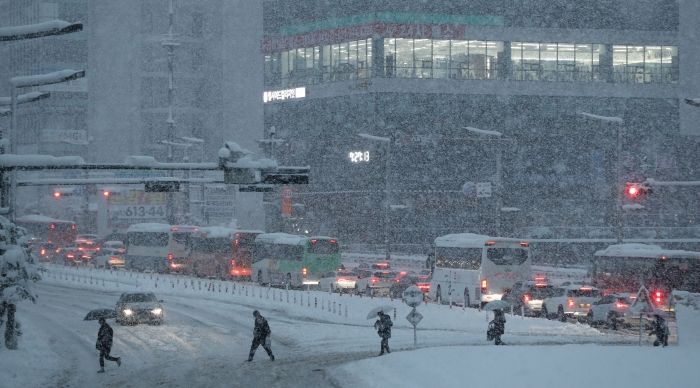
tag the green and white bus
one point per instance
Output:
(286, 259)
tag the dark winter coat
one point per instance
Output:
(499, 324)
(104, 338)
(384, 325)
(660, 329)
(261, 329)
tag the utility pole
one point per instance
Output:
(170, 43)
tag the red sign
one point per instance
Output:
(286, 197)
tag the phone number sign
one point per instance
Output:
(140, 212)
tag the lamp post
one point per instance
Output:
(24, 82)
(619, 233)
(495, 136)
(387, 141)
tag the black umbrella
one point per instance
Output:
(100, 313)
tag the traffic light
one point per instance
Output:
(57, 194)
(106, 194)
(636, 190)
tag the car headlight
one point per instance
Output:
(157, 311)
(128, 312)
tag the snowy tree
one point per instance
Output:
(17, 273)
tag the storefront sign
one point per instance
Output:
(285, 94)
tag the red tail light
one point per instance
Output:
(303, 271)
(43, 252)
(170, 256)
(233, 262)
(524, 244)
(374, 279)
(490, 243)
(526, 298)
(571, 303)
(484, 285)
(621, 305)
(658, 296)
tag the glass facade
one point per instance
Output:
(325, 63)
(472, 60)
(429, 58)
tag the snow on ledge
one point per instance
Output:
(45, 79)
(13, 160)
(39, 29)
(610, 119)
(483, 131)
(644, 251)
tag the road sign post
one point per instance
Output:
(413, 297)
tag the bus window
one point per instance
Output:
(280, 252)
(506, 256)
(458, 258)
(323, 247)
(148, 239)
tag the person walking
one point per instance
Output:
(383, 326)
(261, 336)
(499, 325)
(104, 345)
(660, 329)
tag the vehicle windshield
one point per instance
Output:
(507, 256)
(458, 258)
(278, 252)
(148, 239)
(323, 247)
(584, 292)
(132, 298)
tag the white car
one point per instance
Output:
(378, 282)
(575, 302)
(109, 258)
(609, 310)
(338, 281)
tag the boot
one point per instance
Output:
(102, 370)
(119, 361)
(272, 357)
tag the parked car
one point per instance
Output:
(45, 251)
(71, 255)
(423, 281)
(341, 280)
(527, 297)
(117, 246)
(136, 307)
(378, 283)
(397, 288)
(609, 311)
(575, 302)
(109, 258)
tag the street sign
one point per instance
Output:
(219, 204)
(413, 296)
(414, 317)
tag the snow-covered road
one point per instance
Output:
(206, 336)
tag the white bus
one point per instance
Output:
(158, 247)
(474, 269)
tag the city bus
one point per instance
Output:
(474, 269)
(60, 233)
(286, 259)
(625, 268)
(158, 247)
(222, 252)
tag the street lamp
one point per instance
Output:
(619, 234)
(387, 141)
(30, 31)
(35, 80)
(495, 136)
(24, 82)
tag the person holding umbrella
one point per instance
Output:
(383, 326)
(104, 344)
(498, 325)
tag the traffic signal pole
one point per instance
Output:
(619, 234)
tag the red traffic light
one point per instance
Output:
(106, 193)
(57, 194)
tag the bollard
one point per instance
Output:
(295, 298)
(346, 311)
(308, 299)
(246, 291)
(394, 313)
(333, 307)
(287, 295)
